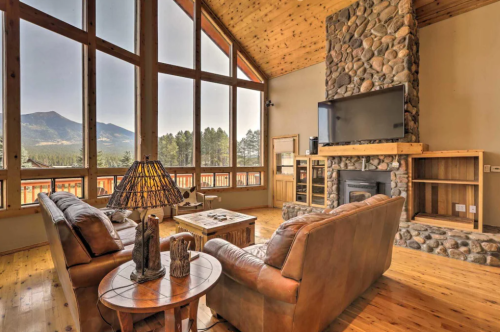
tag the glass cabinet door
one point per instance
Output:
(302, 179)
(318, 183)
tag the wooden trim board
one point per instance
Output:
(373, 149)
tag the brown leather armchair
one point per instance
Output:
(313, 267)
(80, 273)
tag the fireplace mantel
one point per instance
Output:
(373, 149)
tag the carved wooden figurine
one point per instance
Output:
(152, 259)
(179, 258)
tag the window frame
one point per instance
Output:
(147, 68)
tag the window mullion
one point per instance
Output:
(89, 97)
(197, 93)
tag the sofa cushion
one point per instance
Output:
(95, 229)
(282, 239)
(64, 200)
(127, 236)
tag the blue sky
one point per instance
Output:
(51, 70)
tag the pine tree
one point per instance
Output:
(126, 160)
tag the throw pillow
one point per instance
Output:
(282, 239)
(95, 229)
(118, 216)
(189, 195)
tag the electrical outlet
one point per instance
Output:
(495, 169)
(487, 168)
(460, 207)
(472, 209)
(220, 199)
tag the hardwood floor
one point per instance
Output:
(420, 292)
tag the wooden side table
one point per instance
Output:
(118, 292)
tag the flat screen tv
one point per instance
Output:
(367, 116)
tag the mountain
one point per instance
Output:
(49, 130)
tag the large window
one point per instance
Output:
(248, 128)
(115, 111)
(81, 109)
(116, 22)
(175, 32)
(175, 120)
(69, 11)
(214, 49)
(214, 124)
(51, 99)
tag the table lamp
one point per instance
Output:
(146, 185)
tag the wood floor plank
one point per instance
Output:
(420, 292)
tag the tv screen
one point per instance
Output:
(367, 116)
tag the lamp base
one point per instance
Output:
(146, 253)
(148, 275)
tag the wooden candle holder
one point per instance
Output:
(179, 258)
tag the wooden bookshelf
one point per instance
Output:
(441, 180)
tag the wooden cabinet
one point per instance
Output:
(446, 189)
(310, 186)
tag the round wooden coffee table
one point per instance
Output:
(118, 292)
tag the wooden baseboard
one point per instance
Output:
(33, 246)
(253, 207)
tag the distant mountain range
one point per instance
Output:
(42, 130)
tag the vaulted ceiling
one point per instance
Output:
(286, 35)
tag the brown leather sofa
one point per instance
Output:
(313, 267)
(80, 272)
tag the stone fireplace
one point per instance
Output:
(389, 172)
(356, 186)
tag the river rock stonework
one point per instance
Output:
(473, 247)
(372, 45)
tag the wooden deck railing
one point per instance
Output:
(106, 184)
(31, 188)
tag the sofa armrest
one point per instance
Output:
(252, 272)
(91, 274)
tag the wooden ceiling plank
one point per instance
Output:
(282, 36)
(456, 12)
(448, 8)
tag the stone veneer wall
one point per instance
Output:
(371, 45)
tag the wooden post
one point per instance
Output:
(90, 104)
(233, 116)
(197, 93)
(12, 104)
